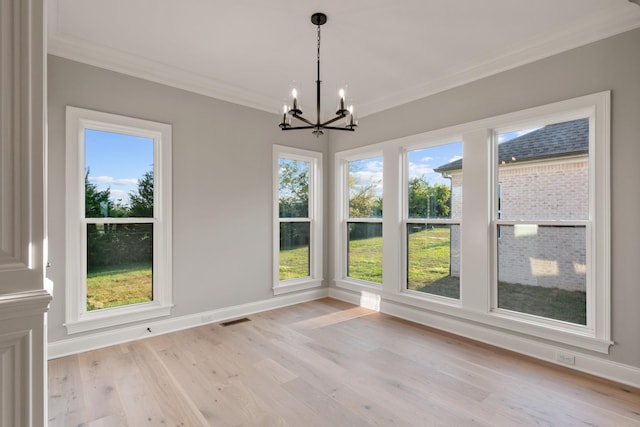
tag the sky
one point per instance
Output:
(117, 161)
(422, 162)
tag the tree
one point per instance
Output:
(293, 195)
(428, 201)
(141, 201)
(293, 201)
(365, 203)
(96, 202)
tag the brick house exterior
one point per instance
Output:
(542, 176)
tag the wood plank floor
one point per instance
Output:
(325, 363)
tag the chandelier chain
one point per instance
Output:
(318, 42)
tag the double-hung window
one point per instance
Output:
(528, 247)
(433, 214)
(297, 216)
(118, 219)
(361, 218)
(543, 218)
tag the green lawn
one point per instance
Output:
(554, 303)
(122, 285)
(429, 263)
(428, 271)
(294, 263)
(365, 259)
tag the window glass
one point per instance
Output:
(364, 229)
(364, 251)
(435, 182)
(544, 172)
(119, 265)
(434, 195)
(297, 219)
(293, 193)
(118, 184)
(542, 271)
(365, 188)
(294, 250)
(543, 176)
(118, 175)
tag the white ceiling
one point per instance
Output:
(388, 52)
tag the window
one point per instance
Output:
(527, 249)
(298, 219)
(542, 218)
(118, 219)
(361, 219)
(433, 212)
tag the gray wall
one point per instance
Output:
(222, 220)
(611, 64)
(222, 207)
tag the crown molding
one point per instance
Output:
(114, 60)
(588, 31)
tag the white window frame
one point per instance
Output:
(597, 226)
(435, 142)
(78, 319)
(315, 278)
(478, 271)
(342, 218)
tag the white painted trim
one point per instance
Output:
(600, 367)
(589, 31)
(477, 301)
(131, 333)
(296, 285)
(315, 218)
(110, 59)
(24, 304)
(78, 319)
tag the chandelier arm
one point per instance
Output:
(350, 129)
(298, 127)
(304, 119)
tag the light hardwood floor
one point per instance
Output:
(325, 363)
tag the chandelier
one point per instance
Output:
(343, 112)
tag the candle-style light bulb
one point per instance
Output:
(294, 94)
(351, 120)
(341, 95)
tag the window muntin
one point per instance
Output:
(118, 219)
(364, 223)
(543, 175)
(433, 215)
(297, 213)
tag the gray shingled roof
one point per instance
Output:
(559, 139)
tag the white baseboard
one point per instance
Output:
(109, 337)
(597, 366)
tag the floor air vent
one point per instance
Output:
(235, 322)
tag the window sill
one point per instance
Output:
(568, 334)
(117, 316)
(296, 285)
